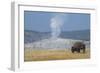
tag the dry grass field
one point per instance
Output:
(42, 55)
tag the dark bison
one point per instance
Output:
(78, 46)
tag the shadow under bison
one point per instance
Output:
(78, 46)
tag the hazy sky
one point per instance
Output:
(40, 21)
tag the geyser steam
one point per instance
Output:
(56, 24)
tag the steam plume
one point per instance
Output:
(56, 24)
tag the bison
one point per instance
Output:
(78, 46)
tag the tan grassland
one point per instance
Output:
(42, 55)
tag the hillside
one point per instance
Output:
(32, 36)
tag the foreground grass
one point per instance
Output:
(40, 55)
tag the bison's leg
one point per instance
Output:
(78, 50)
(72, 50)
(84, 48)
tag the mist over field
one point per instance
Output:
(65, 40)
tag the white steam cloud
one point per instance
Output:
(56, 23)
